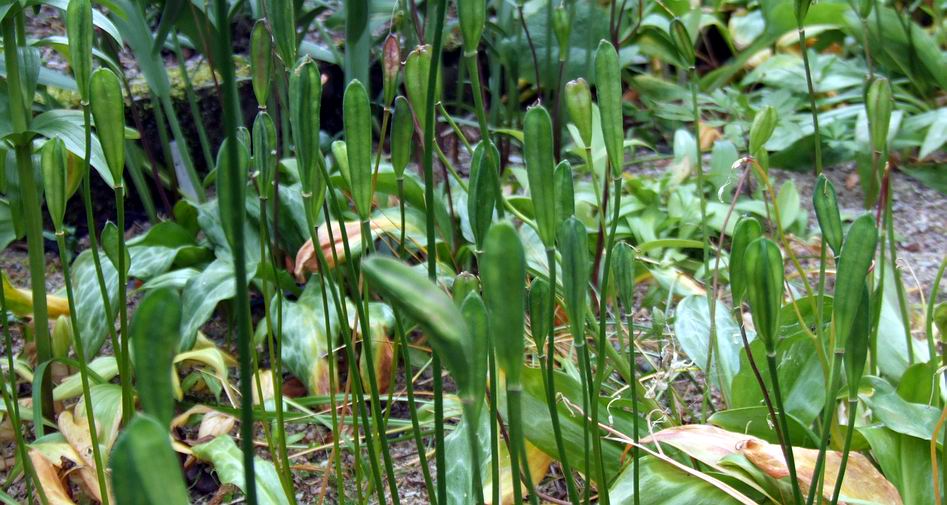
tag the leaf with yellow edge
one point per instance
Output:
(20, 301)
(49, 478)
(306, 258)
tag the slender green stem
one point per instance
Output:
(494, 419)
(852, 410)
(817, 137)
(473, 441)
(513, 393)
(784, 425)
(828, 411)
(192, 102)
(632, 359)
(896, 274)
(551, 380)
(585, 374)
(128, 408)
(83, 371)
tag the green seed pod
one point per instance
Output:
(341, 154)
(825, 203)
(416, 69)
(110, 245)
(537, 151)
(764, 265)
(482, 196)
(402, 135)
(357, 119)
(79, 32)
(305, 99)
(878, 105)
(261, 61)
(858, 251)
(154, 337)
(856, 345)
(108, 110)
(562, 25)
(608, 84)
(472, 14)
(145, 469)
(940, 319)
(54, 162)
(227, 187)
(503, 273)
(574, 246)
(465, 283)
(62, 336)
(578, 99)
(565, 192)
(683, 43)
(744, 233)
(801, 9)
(762, 129)
(264, 152)
(478, 322)
(431, 308)
(390, 65)
(539, 294)
(625, 274)
(282, 16)
(864, 8)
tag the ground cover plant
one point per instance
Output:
(480, 251)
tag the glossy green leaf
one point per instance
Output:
(578, 100)
(223, 453)
(692, 328)
(261, 61)
(905, 461)
(663, 484)
(764, 290)
(154, 335)
(503, 273)
(537, 151)
(54, 166)
(745, 232)
(825, 203)
(856, 257)
(93, 321)
(145, 470)
(482, 187)
(79, 31)
(356, 114)
(402, 135)
(574, 246)
(110, 244)
(108, 110)
(282, 17)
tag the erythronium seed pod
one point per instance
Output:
(61, 336)
(108, 110)
(416, 69)
(539, 294)
(472, 14)
(864, 8)
(54, 160)
(111, 246)
(764, 289)
(282, 16)
(503, 273)
(856, 345)
(465, 283)
(79, 32)
(305, 99)
(390, 65)
(402, 134)
(579, 103)
(264, 152)
(745, 232)
(227, 187)
(565, 192)
(478, 322)
(341, 154)
(482, 190)
(878, 106)
(683, 43)
(825, 203)
(431, 308)
(625, 274)
(537, 151)
(762, 129)
(357, 119)
(562, 25)
(154, 340)
(801, 9)
(858, 251)
(261, 61)
(608, 84)
(574, 246)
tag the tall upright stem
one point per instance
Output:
(817, 142)
(784, 426)
(128, 401)
(852, 410)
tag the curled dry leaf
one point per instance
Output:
(20, 301)
(538, 467)
(213, 423)
(48, 475)
(306, 259)
(77, 434)
(710, 445)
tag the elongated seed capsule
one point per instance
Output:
(625, 274)
(762, 129)
(54, 161)
(264, 152)
(562, 26)
(227, 187)
(801, 8)
(340, 153)
(390, 65)
(745, 232)
(261, 61)
(402, 135)
(858, 341)
(825, 203)
(864, 8)
(62, 336)
(858, 252)
(472, 14)
(305, 99)
(764, 290)
(154, 337)
(578, 99)
(282, 17)
(683, 42)
(878, 104)
(537, 151)
(503, 273)
(574, 246)
(357, 118)
(565, 192)
(464, 283)
(416, 69)
(482, 190)
(108, 110)
(608, 84)
(79, 33)
(478, 323)
(539, 294)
